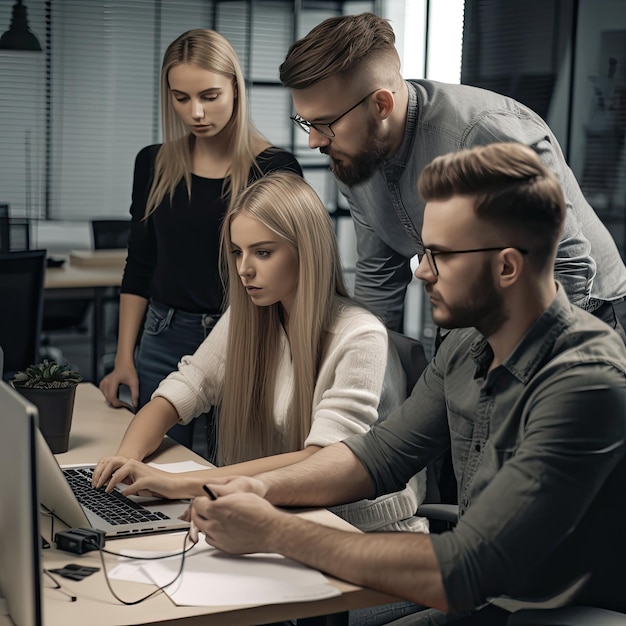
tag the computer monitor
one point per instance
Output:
(20, 539)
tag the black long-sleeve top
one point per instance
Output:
(173, 257)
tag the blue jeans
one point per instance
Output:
(168, 335)
(383, 614)
(489, 615)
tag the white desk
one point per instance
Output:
(96, 430)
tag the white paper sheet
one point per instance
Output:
(213, 578)
(181, 466)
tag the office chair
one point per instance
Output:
(14, 232)
(19, 234)
(72, 315)
(5, 230)
(412, 357)
(21, 289)
(440, 481)
(110, 234)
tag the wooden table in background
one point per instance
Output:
(90, 274)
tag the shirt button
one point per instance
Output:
(477, 447)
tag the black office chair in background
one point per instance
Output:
(110, 234)
(21, 294)
(5, 232)
(14, 231)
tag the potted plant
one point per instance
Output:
(51, 387)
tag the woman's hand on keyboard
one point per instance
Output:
(145, 480)
(105, 469)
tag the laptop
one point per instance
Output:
(20, 552)
(67, 493)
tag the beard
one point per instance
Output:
(362, 165)
(483, 310)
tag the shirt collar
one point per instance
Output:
(401, 157)
(530, 354)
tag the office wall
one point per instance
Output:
(598, 147)
(555, 56)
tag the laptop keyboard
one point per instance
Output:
(113, 507)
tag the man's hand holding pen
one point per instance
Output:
(235, 522)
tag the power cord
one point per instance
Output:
(158, 590)
(58, 587)
(98, 545)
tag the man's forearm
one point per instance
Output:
(331, 476)
(400, 564)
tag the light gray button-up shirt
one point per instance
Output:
(388, 212)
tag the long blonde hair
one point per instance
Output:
(210, 51)
(288, 206)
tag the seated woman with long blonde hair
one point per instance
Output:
(293, 364)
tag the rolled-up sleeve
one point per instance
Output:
(410, 438)
(572, 437)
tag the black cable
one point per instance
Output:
(58, 587)
(102, 551)
(51, 516)
(158, 590)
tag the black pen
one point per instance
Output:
(209, 492)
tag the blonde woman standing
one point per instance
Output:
(181, 191)
(293, 364)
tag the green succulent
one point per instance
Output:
(47, 375)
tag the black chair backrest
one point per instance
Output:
(5, 234)
(412, 357)
(19, 234)
(110, 234)
(5, 231)
(21, 311)
(440, 479)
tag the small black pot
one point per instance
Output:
(55, 407)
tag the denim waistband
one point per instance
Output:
(207, 319)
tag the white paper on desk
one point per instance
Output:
(213, 578)
(181, 466)
(132, 568)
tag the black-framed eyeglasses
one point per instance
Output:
(431, 254)
(326, 129)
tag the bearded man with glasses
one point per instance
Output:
(380, 131)
(528, 393)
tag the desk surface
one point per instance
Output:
(98, 268)
(96, 430)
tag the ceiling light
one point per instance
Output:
(19, 36)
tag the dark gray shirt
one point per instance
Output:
(538, 446)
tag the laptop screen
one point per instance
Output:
(20, 551)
